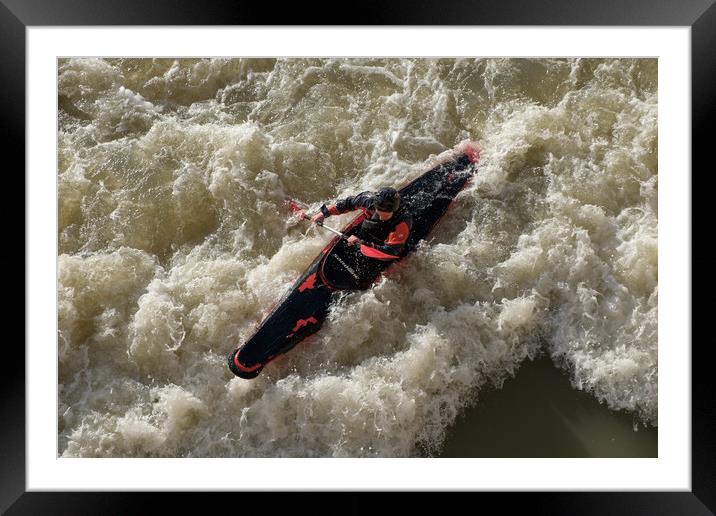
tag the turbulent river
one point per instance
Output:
(174, 242)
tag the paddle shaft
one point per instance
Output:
(331, 230)
(306, 217)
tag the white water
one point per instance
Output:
(174, 243)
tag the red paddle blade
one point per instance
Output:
(295, 209)
(372, 252)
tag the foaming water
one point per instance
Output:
(174, 243)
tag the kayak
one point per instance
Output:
(339, 267)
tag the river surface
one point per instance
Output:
(535, 303)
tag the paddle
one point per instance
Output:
(365, 248)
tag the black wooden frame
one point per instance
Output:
(16, 15)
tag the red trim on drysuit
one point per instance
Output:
(376, 254)
(399, 235)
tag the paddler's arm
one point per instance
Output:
(355, 202)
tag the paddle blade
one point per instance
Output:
(295, 209)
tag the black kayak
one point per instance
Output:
(340, 267)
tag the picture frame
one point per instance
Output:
(16, 16)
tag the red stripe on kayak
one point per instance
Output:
(309, 283)
(242, 367)
(472, 153)
(300, 324)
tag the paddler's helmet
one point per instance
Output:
(387, 199)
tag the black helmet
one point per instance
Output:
(388, 199)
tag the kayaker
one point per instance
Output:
(386, 226)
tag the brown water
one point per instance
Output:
(539, 414)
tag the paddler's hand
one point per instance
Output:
(317, 218)
(352, 240)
